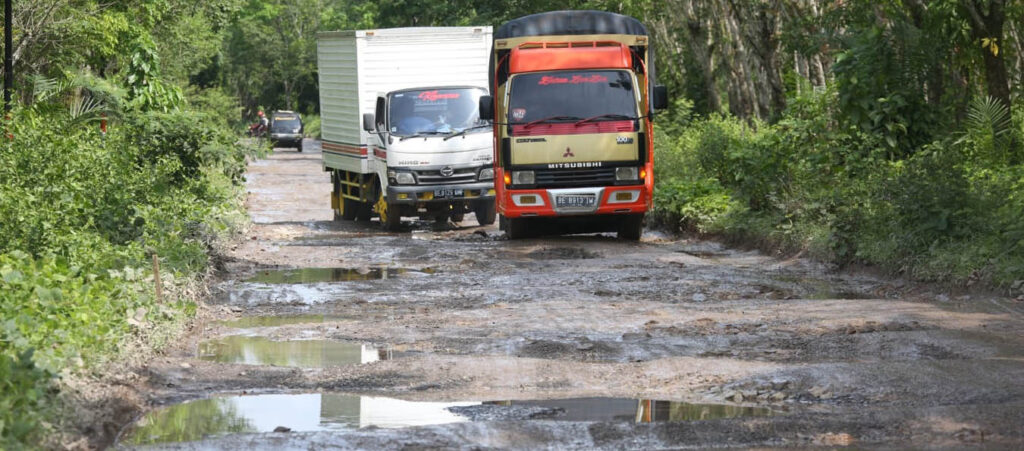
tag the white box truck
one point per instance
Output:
(401, 129)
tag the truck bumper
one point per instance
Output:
(419, 194)
(608, 200)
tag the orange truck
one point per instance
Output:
(572, 101)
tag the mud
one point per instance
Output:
(836, 358)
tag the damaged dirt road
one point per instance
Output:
(336, 334)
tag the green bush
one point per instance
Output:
(695, 205)
(311, 125)
(743, 158)
(188, 139)
(951, 209)
(25, 395)
(81, 215)
(65, 313)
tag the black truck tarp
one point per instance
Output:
(571, 23)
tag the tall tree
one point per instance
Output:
(986, 19)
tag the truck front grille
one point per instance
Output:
(568, 178)
(466, 175)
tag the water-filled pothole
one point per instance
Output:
(255, 350)
(318, 275)
(196, 420)
(252, 322)
(263, 413)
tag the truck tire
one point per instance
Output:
(516, 228)
(349, 209)
(485, 212)
(631, 227)
(390, 214)
(364, 211)
(458, 217)
(298, 146)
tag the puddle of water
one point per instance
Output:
(196, 420)
(254, 350)
(318, 275)
(641, 410)
(251, 322)
(203, 418)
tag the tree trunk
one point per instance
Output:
(990, 27)
(699, 31)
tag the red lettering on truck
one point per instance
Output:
(433, 96)
(575, 80)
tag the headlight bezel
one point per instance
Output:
(524, 178)
(401, 177)
(627, 174)
(486, 173)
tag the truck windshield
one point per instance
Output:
(571, 96)
(436, 111)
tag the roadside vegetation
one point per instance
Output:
(897, 139)
(888, 133)
(86, 214)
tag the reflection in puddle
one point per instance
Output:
(641, 410)
(263, 413)
(317, 275)
(325, 412)
(295, 353)
(251, 322)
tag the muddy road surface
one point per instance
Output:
(334, 334)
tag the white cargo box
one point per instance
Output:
(357, 66)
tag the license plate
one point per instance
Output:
(447, 192)
(575, 200)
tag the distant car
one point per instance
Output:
(286, 129)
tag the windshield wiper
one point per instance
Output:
(602, 116)
(464, 131)
(552, 118)
(419, 135)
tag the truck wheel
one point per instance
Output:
(516, 228)
(390, 215)
(485, 212)
(364, 211)
(349, 209)
(298, 147)
(458, 217)
(631, 227)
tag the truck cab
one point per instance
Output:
(436, 152)
(572, 97)
(401, 128)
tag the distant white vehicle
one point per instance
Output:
(402, 134)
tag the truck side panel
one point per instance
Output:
(344, 143)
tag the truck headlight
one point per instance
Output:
(401, 178)
(522, 178)
(487, 174)
(626, 173)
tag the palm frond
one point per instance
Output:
(84, 108)
(988, 115)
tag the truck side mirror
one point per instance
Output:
(487, 108)
(368, 122)
(660, 100)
